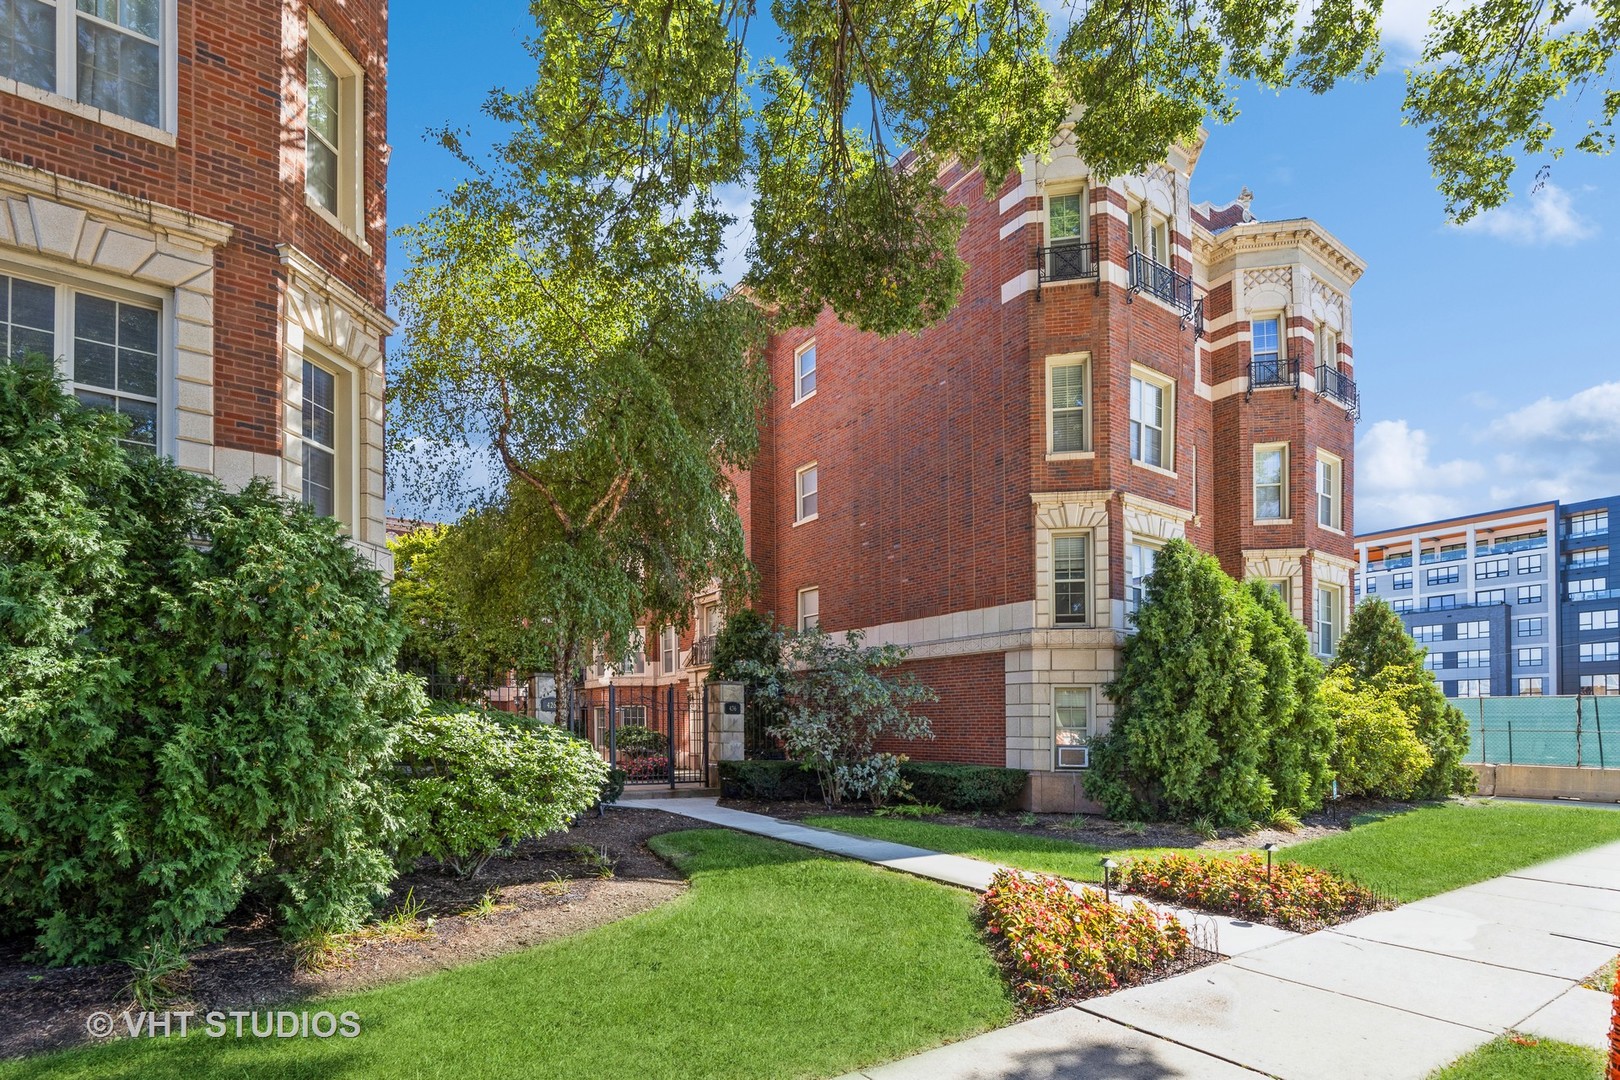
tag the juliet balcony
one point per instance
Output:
(1147, 275)
(1335, 384)
(1273, 371)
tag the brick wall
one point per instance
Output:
(969, 719)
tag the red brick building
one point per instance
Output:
(193, 224)
(1125, 367)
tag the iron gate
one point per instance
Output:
(656, 734)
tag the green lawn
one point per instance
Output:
(1504, 1059)
(778, 963)
(1432, 849)
(1038, 853)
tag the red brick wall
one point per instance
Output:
(236, 62)
(969, 719)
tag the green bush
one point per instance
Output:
(1298, 743)
(470, 785)
(1377, 752)
(963, 787)
(196, 695)
(634, 740)
(768, 780)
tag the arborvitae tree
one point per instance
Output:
(1376, 647)
(1188, 703)
(1299, 732)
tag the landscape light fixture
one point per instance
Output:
(1108, 866)
(1268, 849)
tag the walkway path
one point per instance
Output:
(1390, 996)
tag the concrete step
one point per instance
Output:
(633, 793)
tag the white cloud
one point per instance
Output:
(738, 201)
(1397, 484)
(1590, 416)
(1544, 218)
(1403, 24)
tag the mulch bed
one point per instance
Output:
(544, 891)
(1100, 832)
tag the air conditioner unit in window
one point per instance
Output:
(1074, 757)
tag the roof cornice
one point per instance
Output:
(1297, 233)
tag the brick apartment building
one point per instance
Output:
(1125, 367)
(193, 224)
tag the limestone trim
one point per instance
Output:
(114, 207)
(1280, 564)
(1271, 236)
(1073, 512)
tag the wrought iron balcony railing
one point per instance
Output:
(1273, 371)
(1333, 383)
(1156, 279)
(702, 654)
(1069, 261)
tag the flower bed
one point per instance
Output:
(1291, 896)
(1056, 945)
(642, 767)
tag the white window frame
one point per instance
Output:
(1150, 233)
(1333, 479)
(1136, 582)
(1085, 579)
(801, 492)
(350, 216)
(669, 650)
(1052, 239)
(801, 372)
(1167, 433)
(1282, 485)
(1327, 346)
(1082, 361)
(1327, 644)
(345, 433)
(809, 614)
(1066, 754)
(1279, 355)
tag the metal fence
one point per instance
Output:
(1543, 730)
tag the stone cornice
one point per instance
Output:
(114, 206)
(1296, 234)
(307, 273)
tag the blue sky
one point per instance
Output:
(1485, 355)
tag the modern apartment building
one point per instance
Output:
(1125, 367)
(193, 223)
(1513, 601)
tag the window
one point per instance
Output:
(1282, 588)
(333, 163)
(1530, 657)
(1430, 632)
(1474, 630)
(1150, 234)
(1329, 609)
(1069, 579)
(1491, 596)
(1067, 432)
(1443, 575)
(1372, 586)
(1534, 627)
(809, 608)
(1400, 606)
(1600, 684)
(1588, 557)
(669, 650)
(804, 482)
(1152, 402)
(804, 372)
(1327, 346)
(1066, 217)
(1265, 347)
(1532, 687)
(1598, 652)
(1474, 658)
(632, 716)
(1591, 523)
(1587, 588)
(1531, 594)
(1271, 482)
(1139, 562)
(1329, 472)
(1532, 564)
(1608, 619)
(107, 54)
(110, 361)
(1434, 661)
(709, 620)
(1440, 603)
(1473, 688)
(1071, 726)
(320, 440)
(1401, 580)
(1493, 568)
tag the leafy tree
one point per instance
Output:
(1189, 707)
(838, 698)
(459, 653)
(474, 784)
(1375, 751)
(745, 646)
(1299, 732)
(1377, 649)
(197, 693)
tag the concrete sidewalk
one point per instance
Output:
(1391, 996)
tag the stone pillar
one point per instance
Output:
(725, 726)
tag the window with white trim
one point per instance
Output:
(1329, 490)
(1329, 617)
(1071, 727)
(111, 359)
(669, 650)
(1066, 389)
(809, 608)
(320, 439)
(1598, 652)
(111, 55)
(1327, 346)
(1070, 556)
(1271, 482)
(334, 161)
(1140, 559)
(804, 486)
(1600, 684)
(1150, 234)
(1265, 344)
(804, 371)
(1152, 419)
(1606, 619)
(1473, 688)
(1283, 588)
(1535, 686)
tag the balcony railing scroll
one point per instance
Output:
(702, 654)
(1333, 383)
(1150, 276)
(1071, 261)
(1273, 371)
